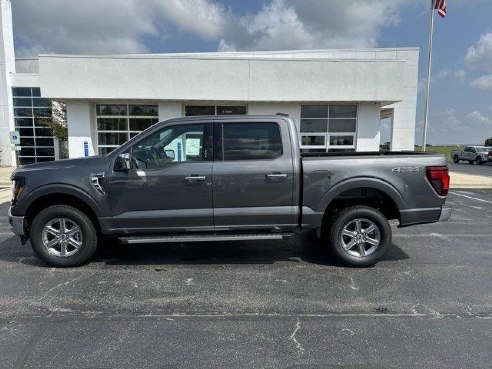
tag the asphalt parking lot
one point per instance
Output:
(257, 305)
(464, 167)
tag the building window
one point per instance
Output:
(117, 123)
(327, 128)
(193, 110)
(31, 116)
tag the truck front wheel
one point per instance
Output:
(478, 160)
(359, 236)
(63, 236)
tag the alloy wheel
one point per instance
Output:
(62, 237)
(360, 237)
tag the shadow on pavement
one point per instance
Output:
(303, 247)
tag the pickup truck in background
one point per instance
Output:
(225, 178)
(472, 154)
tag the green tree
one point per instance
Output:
(488, 142)
(58, 122)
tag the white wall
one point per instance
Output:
(169, 110)
(188, 78)
(404, 117)
(7, 66)
(80, 127)
(268, 82)
(368, 127)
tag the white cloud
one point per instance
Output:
(89, 26)
(201, 17)
(479, 56)
(312, 24)
(478, 117)
(483, 83)
(443, 74)
(122, 26)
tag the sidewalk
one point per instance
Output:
(5, 184)
(464, 180)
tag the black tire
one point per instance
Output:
(478, 160)
(471, 161)
(455, 159)
(350, 215)
(88, 235)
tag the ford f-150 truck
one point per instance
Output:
(225, 178)
(472, 154)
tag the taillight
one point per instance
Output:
(439, 179)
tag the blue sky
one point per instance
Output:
(461, 94)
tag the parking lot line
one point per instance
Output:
(470, 197)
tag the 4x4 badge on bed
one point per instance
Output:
(406, 169)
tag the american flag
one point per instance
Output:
(441, 7)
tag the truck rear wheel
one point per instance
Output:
(63, 236)
(359, 236)
(456, 160)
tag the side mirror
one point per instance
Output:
(122, 163)
(170, 154)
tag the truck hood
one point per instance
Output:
(59, 164)
(81, 165)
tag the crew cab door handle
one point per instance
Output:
(276, 175)
(195, 178)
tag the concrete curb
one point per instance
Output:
(5, 194)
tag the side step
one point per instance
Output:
(204, 238)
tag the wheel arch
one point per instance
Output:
(363, 191)
(61, 194)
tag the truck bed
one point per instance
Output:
(400, 177)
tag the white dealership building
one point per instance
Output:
(337, 97)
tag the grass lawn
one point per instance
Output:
(441, 150)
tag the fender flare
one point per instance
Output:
(59, 188)
(366, 182)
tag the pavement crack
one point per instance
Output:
(66, 283)
(420, 309)
(352, 284)
(300, 349)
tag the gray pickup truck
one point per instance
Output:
(472, 154)
(225, 178)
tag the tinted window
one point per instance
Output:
(314, 111)
(251, 141)
(21, 91)
(199, 110)
(179, 143)
(343, 111)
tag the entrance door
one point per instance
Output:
(169, 185)
(253, 178)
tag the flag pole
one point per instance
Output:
(429, 65)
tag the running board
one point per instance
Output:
(204, 238)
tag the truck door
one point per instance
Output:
(253, 176)
(169, 184)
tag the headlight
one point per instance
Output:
(19, 184)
